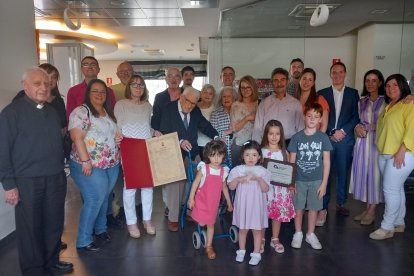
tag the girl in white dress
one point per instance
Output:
(251, 182)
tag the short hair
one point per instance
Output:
(281, 71)
(381, 88)
(190, 89)
(252, 82)
(282, 141)
(214, 147)
(338, 63)
(313, 106)
(90, 57)
(124, 62)
(402, 85)
(127, 93)
(107, 104)
(228, 67)
(251, 144)
(29, 71)
(297, 60)
(208, 86)
(187, 69)
(226, 88)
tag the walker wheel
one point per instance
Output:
(196, 240)
(204, 238)
(234, 234)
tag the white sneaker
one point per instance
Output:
(255, 258)
(240, 255)
(313, 241)
(297, 240)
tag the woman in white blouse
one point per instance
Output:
(134, 120)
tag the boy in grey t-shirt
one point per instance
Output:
(309, 149)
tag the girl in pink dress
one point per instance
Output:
(279, 199)
(251, 182)
(206, 190)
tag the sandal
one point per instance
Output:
(262, 246)
(275, 243)
(210, 252)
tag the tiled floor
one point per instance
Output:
(347, 250)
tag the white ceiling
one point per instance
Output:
(182, 30)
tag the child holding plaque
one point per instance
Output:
(279, 199)
(309, 149)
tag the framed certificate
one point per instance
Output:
(152, 162)
(282, 173)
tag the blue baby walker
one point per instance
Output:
(199, 237)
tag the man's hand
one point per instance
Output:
(186, 145)
(12, 196)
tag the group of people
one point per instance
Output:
(326, 133)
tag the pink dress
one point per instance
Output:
(279, 199)
(250, 210)
(207, 198)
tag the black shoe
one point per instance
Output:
(111, 221)
(340, 209)
(104, 236)
(63, 245)
(166, 211)
(90, 247)
(60, 268)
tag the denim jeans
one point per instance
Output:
(393, 185)
(95, 190)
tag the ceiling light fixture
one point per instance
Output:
(69, 22)
(319, 16)
(195, 3)
(57, 26)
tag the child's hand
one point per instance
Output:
(292, 189)
(229, 207)
(190, 203)
(321, 191)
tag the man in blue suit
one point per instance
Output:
(184, 117)
(343, 117)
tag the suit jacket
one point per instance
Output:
(348, 117)
(171, 121)
(160, 101)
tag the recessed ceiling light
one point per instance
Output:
(379, 11)
(117, 3)
(195, 3)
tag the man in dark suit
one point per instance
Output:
(184, 117)
(343, 117)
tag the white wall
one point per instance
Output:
(19, 42)
(259, 56)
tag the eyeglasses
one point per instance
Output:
(187, 101)
(136, 85)
(91, 65)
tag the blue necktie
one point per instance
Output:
(185, 121)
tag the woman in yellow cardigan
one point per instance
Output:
(395, 143)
